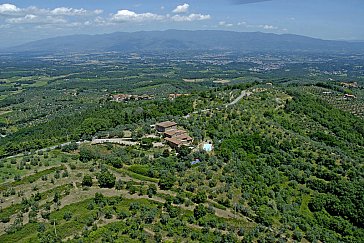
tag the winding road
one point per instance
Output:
(243, 94)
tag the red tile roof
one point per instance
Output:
(184, 137)
(174, 132)
(174, 141)
(167, 124)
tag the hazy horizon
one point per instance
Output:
(23, 21)
(108, 33)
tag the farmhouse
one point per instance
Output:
(185, 138)
(177, 142)
(174, 96)
(127, 97)
(349, 85)
(165, 126)
(173, 142)
(174, 137)
(121, 97)
(174, 133)
(349, 96)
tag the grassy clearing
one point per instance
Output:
(28, 233)
(9, 211)
(16, 208)
(53, 158)
(135, 175)
(31, 178)
(8, 172)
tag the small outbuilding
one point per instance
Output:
(174, 143)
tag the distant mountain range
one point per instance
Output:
(178, 40)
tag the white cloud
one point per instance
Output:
(130, 16)
(61, 16)
(242, 23)
(100, 21)
(260, 26)
(68, 17)
(68, 11)
(181, 8)
(63, 11)
(267, 27)
(224, 24)
(33, 19)
(26, 19)
(98, 11)
(12, 10)
(190, 18)
(8, 9)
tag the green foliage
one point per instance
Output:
(106, 179)
(67, 216)
(140, 169)
(200, 197)
(49, 237)
(166, 182)
(99, 198)
(147, 143)
(70, 147)
(152, 190)
(199, 211)
(87, 154)
(87, 181)
(183, 151)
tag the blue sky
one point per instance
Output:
(26, 20)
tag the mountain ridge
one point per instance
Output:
(187, 40)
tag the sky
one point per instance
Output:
(27, 20)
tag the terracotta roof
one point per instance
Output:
(167, 124)
(175, 141)
(184, 137)
(174, 132)
(121, 96)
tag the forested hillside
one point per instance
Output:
(286, 165)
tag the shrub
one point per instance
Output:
(67, 216)
(199, 211)
(200, 197)
(119, 184)
(106, 179)
(123, 215)
(5, 220)
(166, 182)
(87, 180)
